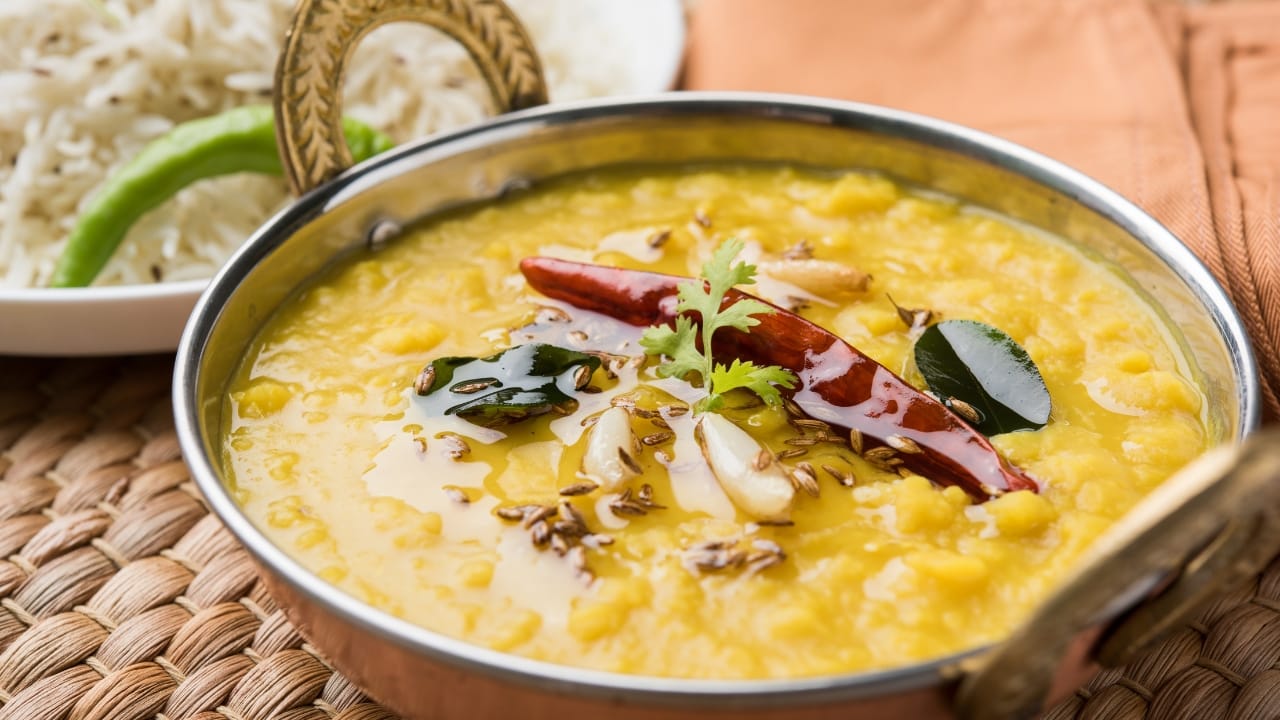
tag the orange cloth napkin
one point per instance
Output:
(1097, 84)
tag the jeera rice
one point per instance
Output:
(86, 84)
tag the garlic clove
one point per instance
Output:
(825, 278)
(749, 474)
(610, 458)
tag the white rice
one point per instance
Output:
(85, 84)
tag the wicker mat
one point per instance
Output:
(123, 599)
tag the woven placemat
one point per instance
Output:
(121, 598)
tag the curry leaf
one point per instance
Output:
(982, 366)
(517, 383)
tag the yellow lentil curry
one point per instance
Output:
(329, 451)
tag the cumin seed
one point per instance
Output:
(581, 488)
(757, 562)
(581, 377)
(659, 239)
(911, 317)
(855, 440)
(803, 479)
(426, 378)
(844, 478)
(763, 460)
(964, 410)
(904, 444)
(715, 560)
(884, 458)
(538, 514)
(456, 447)
(629, 461)
(457, 495)
(656, 438)
(645, 498)
(880, 453)
(624, 509)
(566, 408)
(473, 386)
(511, 513)
(570, 514)
(568, 529)
(559, 545)
(802, 250)
(540, 533)
(792, 453)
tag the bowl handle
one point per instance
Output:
(324, 33)
(1212, 525)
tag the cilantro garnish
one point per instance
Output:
(680, 345)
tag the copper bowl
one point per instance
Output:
(1214, 518)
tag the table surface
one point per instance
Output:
(122, 598)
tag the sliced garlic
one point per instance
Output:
(820, 277)
(748, 473)
(611, 450)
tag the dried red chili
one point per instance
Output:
(838, 383)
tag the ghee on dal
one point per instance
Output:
(325, 438)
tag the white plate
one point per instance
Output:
(116, 320)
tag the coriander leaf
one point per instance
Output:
(738, 315)
(679, 345)
(763, 381)
(722, 273)
(693, 297)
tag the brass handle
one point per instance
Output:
(324, 33)
(1214, 524)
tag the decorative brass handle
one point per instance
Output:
(1214, 524)
(324, 33)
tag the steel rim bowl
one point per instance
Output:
(483, 161)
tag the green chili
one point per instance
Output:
(239, 140)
